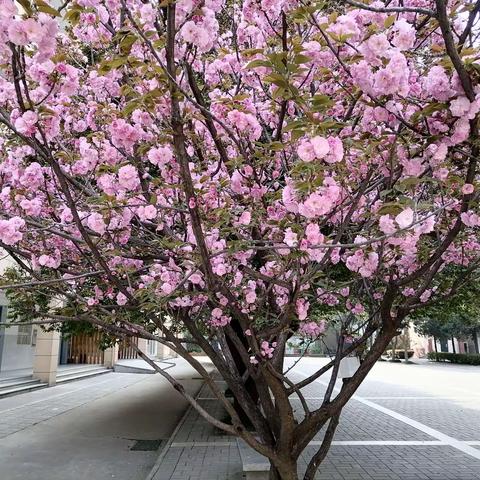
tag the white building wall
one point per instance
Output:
(13, 355)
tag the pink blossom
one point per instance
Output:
(320, 145)
(128, 177)
(461, 107)
(336, 151)
(470, 219)
(468, 189)
(357, 309)
(386, 225)
(246, 123)
(196, 279)
(313, 235)
(437, 84)
(289, 198)
(26, 124)
(364, 264)
(123, 134)
(10, 230)
(121, 299)
(50, 261)
(305, 151)
(32, 207)
(218, 319)
(405, 218)
(315, 205)
(404, 38)
(378, 45)
(302, 307)
(426, 295)
(290, 238)
(148, 212)
(345, 291)
(160, 156)
(245, 218)
(312, 329)
(251, 296)
(266, 349)
(96, 223)
(17, 32)
(316, 147)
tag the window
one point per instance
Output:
(24, 335)
(152, 348)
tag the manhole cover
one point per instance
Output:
(146, 445)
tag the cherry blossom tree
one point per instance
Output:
(233, 169)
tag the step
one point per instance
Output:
(18, 382)
(80, 375)
(119, 368)
(77, 368)
(142, 367)
(22, 389)
(254, 465)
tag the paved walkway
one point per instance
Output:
(106, 427)
(406, 422)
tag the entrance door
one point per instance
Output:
(64, 351)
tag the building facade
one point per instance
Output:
(30, 350)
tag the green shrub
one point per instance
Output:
(460, 358)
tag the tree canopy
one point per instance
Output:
(234, 167)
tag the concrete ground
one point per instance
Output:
(85, 430)
(406, 422)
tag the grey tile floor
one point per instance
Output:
(407, 422)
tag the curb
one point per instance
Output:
(161, 456)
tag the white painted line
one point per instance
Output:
(422, 398)
(370, 443)
(202, 444)
(453, 442)
(383, 442)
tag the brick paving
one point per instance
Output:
(389, 420)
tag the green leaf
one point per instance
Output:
(46, 8)
(428, 110)
(294, 125)
(249, 52)
(389, 21)
(321, 102)
(277, 79)
(26, 6)
(391, 208)
(258, 63)
(276, 146)
(108, 65)
(73, 14)
(127, 43)
(299, 59)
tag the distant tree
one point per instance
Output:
(457, 317)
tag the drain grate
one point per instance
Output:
(146, 445)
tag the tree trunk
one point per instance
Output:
(406, 344)
(249, 383)
(453, 345)
(288, 471)
(475, 341)
(435, 344)
(394, 349)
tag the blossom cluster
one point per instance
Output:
(300, 171)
